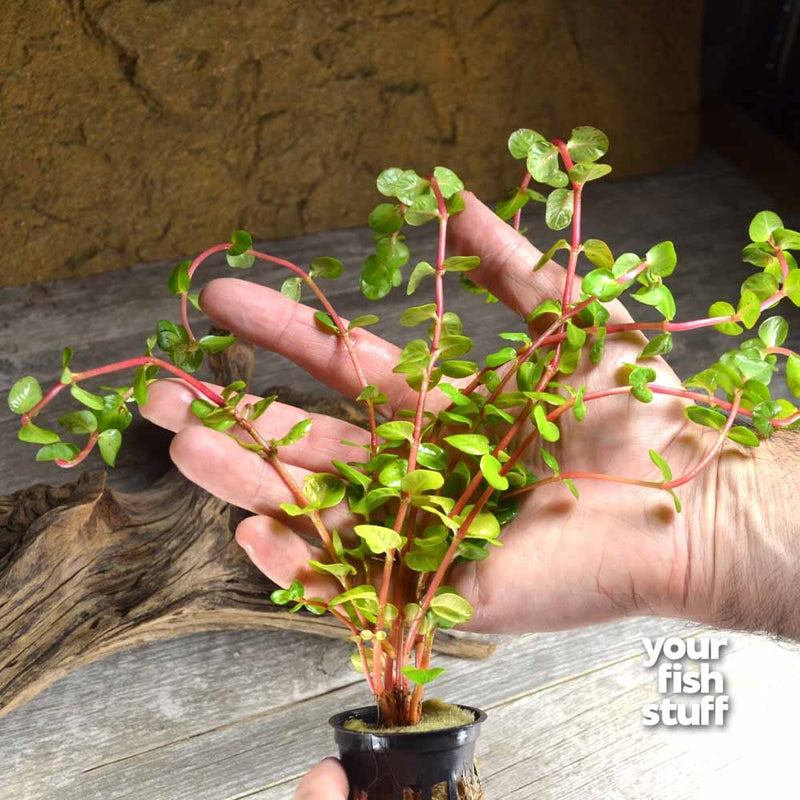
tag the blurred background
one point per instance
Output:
(136, 131)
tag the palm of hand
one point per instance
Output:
(620, 549)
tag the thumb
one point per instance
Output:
(326, 781)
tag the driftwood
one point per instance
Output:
(86, 571)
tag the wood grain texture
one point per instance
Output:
(232, 715)
(86, 571)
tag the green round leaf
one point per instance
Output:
(602, 284)
(793, 374)
(61, 451)
(662, 259)
(357, 593)
(396, 431)
(387, 181)
(583, 173)
(24, 395)
(420, 481)
(325, 322)
(773, 331)
(722, 309)
(658, 296)
(79, 422)
(548, 430)
(558, 212)
(409, 186)
(490, 468)
(474, 444)
(763, 224)
(391, 252)
(422, 676)
(338, 569)
(363, 321)
(419, 272)
(749, 309)
(742, 435)
(385, 218)
(587, 144)
(708, 417)
(297, 432)
(36, 435)
(323, 490)
(598, 253)
(451, 607)
(179, 281)
(379, 539)
(417, 314)
(431, 456)
(326, 267)
(109, 443)
(376, 279)
(449, 183)
(87, 398)
(216, 344)
(542, 160)
(519, 143)
(393, 473)
(658, 346)
(292, 288)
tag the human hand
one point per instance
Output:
(621, 549)
(326, 781)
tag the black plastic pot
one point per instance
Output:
(433, 765)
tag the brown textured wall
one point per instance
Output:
(135, 130)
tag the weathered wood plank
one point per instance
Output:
(582, 738)
(239, 740)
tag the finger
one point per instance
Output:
(326, 781)
(508, 259)
(582, 566)
(270, 320)
(282, 555)
(168, 404)
(215, 462)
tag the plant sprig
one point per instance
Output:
(438, 483)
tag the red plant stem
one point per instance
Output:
(781, 351)
(344, 334)
(196, 262)
(707, 399)
(522, 187)
(706, 460)
(208, 393)
(632, 274)
(664, 325)
(666, 485)
(552, 369)
(782, 261)
(309, 281)
(422, 661)
(575, 246)
(118, 366)
(419, 414)
(87, 448)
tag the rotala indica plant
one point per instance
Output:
(435, 488)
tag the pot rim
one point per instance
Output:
(461, 733)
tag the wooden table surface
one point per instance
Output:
(243, 715)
